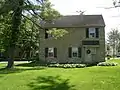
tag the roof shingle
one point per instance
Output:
(77, 21)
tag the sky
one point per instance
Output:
(69, 7)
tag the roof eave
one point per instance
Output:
(84, 26)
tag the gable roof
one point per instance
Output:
(77, 21)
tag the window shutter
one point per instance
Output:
(55, 52)
(79, 52)
(70, 52)
(46, 34)
(87, 32)
(97, 32)
(46, 52)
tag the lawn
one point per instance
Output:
(40, 78)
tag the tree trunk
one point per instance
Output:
(16, 21)
(10, 63)
(10, 57)
(114, 51)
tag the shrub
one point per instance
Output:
(67, 65)
(107, 64)
(80, 65)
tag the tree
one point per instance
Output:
(107, 48)
(114, 39)
(5, 24)
(24, 24)
(57, 33)
(40, 9)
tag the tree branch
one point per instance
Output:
(32, 21)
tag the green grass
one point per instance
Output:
(114, 60)
(40, 78)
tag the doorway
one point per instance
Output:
(90, 53)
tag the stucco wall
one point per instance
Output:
(72, 39)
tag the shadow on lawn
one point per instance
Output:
(31, 64)
(26, 64)
(50, 83)
(18, 70)
(1, 76)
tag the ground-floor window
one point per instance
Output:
(51, 52)
(74, 52)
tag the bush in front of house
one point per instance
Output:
(67, 65)
(107, 64)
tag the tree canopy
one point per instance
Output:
(20, 24)
(114, 40)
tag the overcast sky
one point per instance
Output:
(69, 7)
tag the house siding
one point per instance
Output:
(74, 38)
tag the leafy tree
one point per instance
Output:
(57, 33)
(39, 9)
(107, 48)
(114, 39)
(5, 31)
(23, 28)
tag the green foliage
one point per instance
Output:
(107, 64)
(114, 60)
(5, 31)
(22, 31)
(57, 33)
(114, 40)
(28, 36)
(48, 13)
(67, 65)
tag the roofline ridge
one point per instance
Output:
(84, 15)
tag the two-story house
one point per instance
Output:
(84, 43)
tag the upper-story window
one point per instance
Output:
(92, 33)
(47, 35)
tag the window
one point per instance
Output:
(50, 52)
(74, 52)
(92, 33)
(47, 35)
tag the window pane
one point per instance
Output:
(50, 35)
(74, 49)
(50, 54)
(91, 32)
(75, 54)
(51, 50)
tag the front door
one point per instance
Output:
(90, 54)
